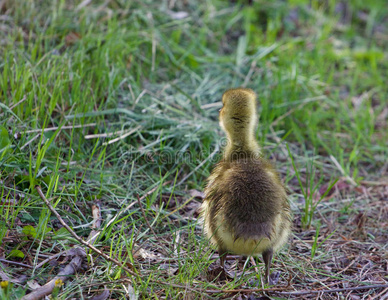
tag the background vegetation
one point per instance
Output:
(105, 101)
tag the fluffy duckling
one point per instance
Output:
(245, 210)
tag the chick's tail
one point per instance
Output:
(249, 230)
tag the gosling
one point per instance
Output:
(245, 210)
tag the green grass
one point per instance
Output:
(119, 98)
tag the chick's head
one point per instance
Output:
(238, 114)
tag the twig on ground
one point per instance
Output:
(366, 287)
(92, 236)
(122, 136)
(50, 258)
(252, 259)
(253, 290)
(374, 183)
(15, 263)
(76, 262)
(348, 266)
(382, 296)
(62, 128)
(107, 257)
(47, 289)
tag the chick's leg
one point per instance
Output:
(267, 257)
(224, 273)
(222, 253)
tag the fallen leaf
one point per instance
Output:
(170, 269)
(216, 272)
(104, 295)
(33, 284)
(72, 38)
(360, 221)
(144, 254)
(196, 194)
